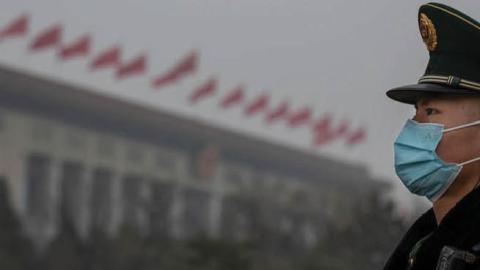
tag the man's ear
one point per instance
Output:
(474, 108)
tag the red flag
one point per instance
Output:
(107, 58)
(17, 27)
(135, 67)
(322, 138)
(322, 130)
(258, 104)
(342, 128)
(357, 136)
(48, 38)
(234, 97)
(207, 88)
(323, 124)
(80, 47)
(278, 112)
(207, 162)
(300, 117)
(186, 66)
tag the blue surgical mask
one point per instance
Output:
(418, 165)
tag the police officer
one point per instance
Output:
(437, 153)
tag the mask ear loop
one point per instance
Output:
(469, 161)
(472, 160)
(462, 126)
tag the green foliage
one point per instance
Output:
(15, 250)
(65, 252)
(363, 245)
(134, 252)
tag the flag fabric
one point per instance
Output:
(357, 136)
(107, 58)
(234, 97)
(17, 27)
(207, 88)
(136, 66)
(79, 47)
(186, 66)
(342, 129)
(323, 138)
(280, 111)
(207, 162)
(323, 124)
(300, 117)
(322, 130)
(258, 104)
(48, 38)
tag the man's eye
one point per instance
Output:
(430, 111)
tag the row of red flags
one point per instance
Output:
(108, 58)
(323, 129)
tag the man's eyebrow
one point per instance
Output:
(424, 101)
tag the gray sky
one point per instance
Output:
(335, 56)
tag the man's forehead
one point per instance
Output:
(432, 98)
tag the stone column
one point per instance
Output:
(215, 203)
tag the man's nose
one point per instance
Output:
(419, 118)
(415, 117)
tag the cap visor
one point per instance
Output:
(412, 93)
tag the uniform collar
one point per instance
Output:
(459, 228)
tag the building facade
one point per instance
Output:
(96, 163)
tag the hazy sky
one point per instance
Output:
(335, 56)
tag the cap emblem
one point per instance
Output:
(428, 32)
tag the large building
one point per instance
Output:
(71, 155)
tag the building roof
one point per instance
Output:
(87, 108)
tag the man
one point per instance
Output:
(437, 152)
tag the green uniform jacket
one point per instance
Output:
(420, 247)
